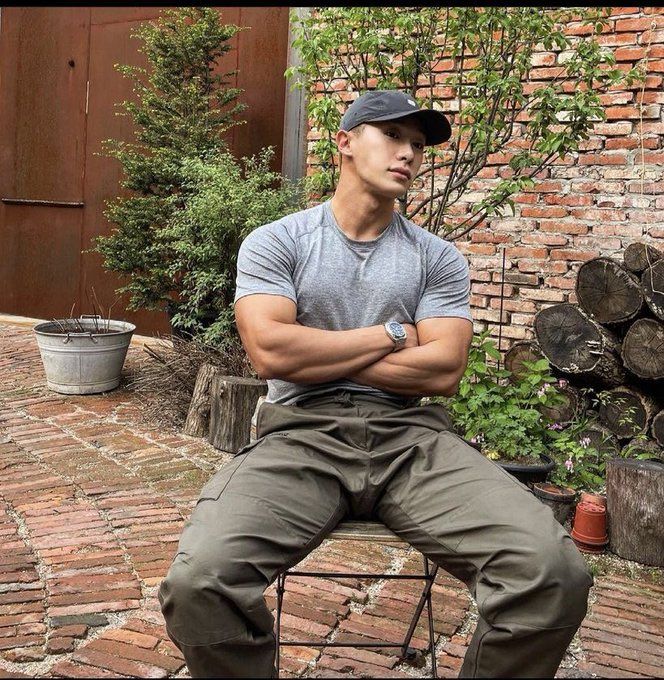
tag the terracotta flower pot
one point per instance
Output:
(597, 499)
(589, 530)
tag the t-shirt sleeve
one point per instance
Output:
(447, 289)
(265, 263)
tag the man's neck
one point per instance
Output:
(361, 216)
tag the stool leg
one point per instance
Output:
(432, 634)
(281, 587)
(426, 593)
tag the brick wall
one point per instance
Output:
(591, 203)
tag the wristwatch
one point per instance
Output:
(397, 333)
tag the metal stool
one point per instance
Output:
(375, 532)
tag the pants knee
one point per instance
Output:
(560, 585)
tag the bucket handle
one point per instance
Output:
(84, 316)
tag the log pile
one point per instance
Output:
(609, 346)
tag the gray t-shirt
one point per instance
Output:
(406, 274)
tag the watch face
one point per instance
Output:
(397, 329)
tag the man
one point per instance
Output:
(352, 313)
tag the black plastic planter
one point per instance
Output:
(530, 474)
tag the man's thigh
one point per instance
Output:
(268, 507)
(469, 515)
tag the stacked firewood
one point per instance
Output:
(610, 349)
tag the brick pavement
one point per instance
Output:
(93, 499)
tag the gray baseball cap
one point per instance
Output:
(379, 105)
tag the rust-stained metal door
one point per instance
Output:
(58, 95)
(44, 63)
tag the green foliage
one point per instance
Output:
(180, 111)
(503, 413)
(227, 200)
(491, 48)
(578, 465)
(500, 414)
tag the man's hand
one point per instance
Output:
(431, 368)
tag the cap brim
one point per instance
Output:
(437, 128)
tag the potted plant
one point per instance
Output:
(83, 355)
(500, 412)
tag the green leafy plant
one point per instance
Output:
(477, 64)
(180, 111)
(500, 414)
(227, 199)
(579, 465)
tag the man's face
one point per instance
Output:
(387, 155)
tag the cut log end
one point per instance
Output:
(639, 256)
(607, 292)
(652, 282)
(627, 412)
(643, 349)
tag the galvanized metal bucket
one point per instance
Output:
(86, 362)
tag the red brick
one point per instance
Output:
(575, 255)
(614, 39)
(134, 653)
(564, 227)
(526, 252)
(544, 212)
(111, 662)
(600, 215)
(543, 266)
(629, 53)
(640, 24)
(132, 637)
(569, 199)
(560, 282)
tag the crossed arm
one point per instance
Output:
(431, 363)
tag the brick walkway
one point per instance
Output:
(93, 499)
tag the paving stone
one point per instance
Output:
(93, 620)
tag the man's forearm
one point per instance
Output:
(310, 355)
(427, 370)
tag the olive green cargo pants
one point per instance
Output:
(350, 455)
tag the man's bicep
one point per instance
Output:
(453, 333)
(253, 312)
(255, 316)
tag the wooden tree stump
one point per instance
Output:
(652, 282)
(627, 411)
(198, 417)
(635, 498)
(607, 292)
(640, 256)
(643, 349)
(517, 354)
(575, 344)
(232, 405)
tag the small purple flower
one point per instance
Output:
(585, 442)
(555, 426)
(562, 383)
(569, 465)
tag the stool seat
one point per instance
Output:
(365, 531)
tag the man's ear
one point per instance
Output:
(343, 143)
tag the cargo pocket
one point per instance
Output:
(219, 481)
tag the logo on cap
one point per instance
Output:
(411, 102)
